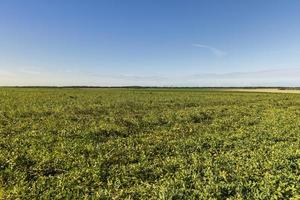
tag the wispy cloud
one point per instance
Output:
(272, 77)
(6, 73)
(255, 75)
(217, 52)
(30, 70)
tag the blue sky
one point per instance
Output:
(150, 42)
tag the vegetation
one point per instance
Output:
(148, 144)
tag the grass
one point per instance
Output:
(148, 144)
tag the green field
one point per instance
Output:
(148, 144)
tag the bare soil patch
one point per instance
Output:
(265, 90)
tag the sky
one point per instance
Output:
(150, 42)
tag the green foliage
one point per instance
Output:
(148, 144)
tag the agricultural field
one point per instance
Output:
(148, 144)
